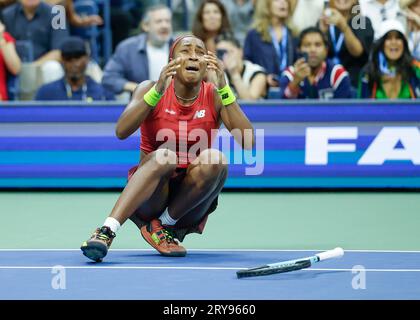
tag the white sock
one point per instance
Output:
(112, 223)
(166, 219)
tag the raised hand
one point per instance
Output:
(215, 73)
(167, 74)
(94, 20)
(302, 70)
(335, 18)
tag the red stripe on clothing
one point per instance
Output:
(337, 72)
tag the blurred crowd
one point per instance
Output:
(270, 49)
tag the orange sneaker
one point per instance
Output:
(162, 239)
(97, 246)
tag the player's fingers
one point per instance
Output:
(175, 61)
(212, 67)
(211, 62)
(170, 73)
(172, 68)
(210, 58)
(211, 53)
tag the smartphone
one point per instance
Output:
(327, 9)
(220, 53)
(303, 55)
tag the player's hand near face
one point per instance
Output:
(137, 110)
(215, 73)
(166, 75)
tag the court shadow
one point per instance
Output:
(103, 263)
(190, 258)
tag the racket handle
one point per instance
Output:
(335, 253)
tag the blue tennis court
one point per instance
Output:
(206, 274)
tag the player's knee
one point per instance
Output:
(164, 160)
(213, 165)
(213, 157)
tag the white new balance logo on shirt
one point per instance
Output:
(200, 114)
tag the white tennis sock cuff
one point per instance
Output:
(166, 219)
(112, 223)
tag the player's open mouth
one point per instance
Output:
(192, 69)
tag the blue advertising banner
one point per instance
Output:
(340, 144)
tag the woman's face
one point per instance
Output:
(280, 9)
(191, 52)
(393, 46)
(212, 17)
(343, 5)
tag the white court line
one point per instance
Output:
(198, 268)
(230, 250)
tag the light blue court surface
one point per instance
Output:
(206, 274)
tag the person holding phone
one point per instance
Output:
(313, 76)
(350, 35)
(211, 21)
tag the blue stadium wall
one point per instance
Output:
(340, 144)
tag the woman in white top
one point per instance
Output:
(248, 80)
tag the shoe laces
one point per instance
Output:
(105, 235)
(169, 235)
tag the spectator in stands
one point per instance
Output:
(270, 43)
(247, 80)
(75, 19)
(210, 22)
(9, 60)
(392, 73)
(141, 57)
(380, 10)
(350, 36)
(412, 11)
(31, 20)
(5, 3)
(125, 17)
(241, 16)
(75, 85)
(183, 12)
(313, 76)
(306, 13)
(122, 21)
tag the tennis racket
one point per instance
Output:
(290, 265)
